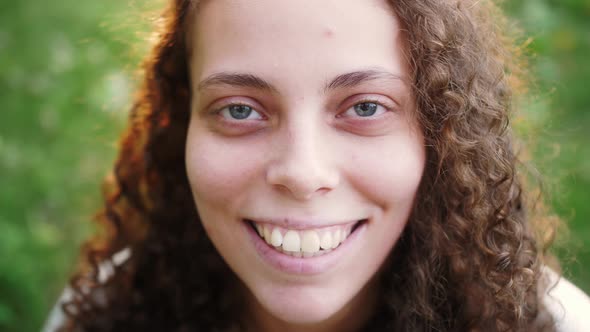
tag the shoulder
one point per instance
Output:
(568, 305)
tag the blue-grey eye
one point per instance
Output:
(240, 112)
(365, 109)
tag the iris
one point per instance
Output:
(240, 112)
(365, 109)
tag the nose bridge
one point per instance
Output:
(301, 164)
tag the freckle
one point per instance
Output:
(328, 33)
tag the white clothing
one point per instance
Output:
(569, 306)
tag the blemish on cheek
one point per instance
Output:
(328, 33)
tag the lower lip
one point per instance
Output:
(303, 266)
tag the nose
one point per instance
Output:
(301, 165)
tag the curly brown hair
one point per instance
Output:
(469, 259)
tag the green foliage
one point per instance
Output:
(561, 48)
(67, 75)
(65, 92)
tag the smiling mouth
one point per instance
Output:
(304, 243)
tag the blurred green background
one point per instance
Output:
(68, 70)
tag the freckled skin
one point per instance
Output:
(308, 155)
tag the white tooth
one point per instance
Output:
(310, 242)
(326, 242)
(336, 237)
(276, 239)
(297, 254)
(345, 234)
(291, 241)
(309, 254)
(266, 233)
(260, 230)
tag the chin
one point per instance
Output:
(302, 314)
(302, 306)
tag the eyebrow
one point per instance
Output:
(362, 76)
(247, 80)
(244, 80)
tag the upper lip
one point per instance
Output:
(301, 224)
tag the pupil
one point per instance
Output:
(365, 109)
(240, 111)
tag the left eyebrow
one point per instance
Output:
(361, 76)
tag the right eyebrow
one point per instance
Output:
(243, 80)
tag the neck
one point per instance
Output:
(352, 317)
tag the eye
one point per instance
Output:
(366, 109)
(239, 112)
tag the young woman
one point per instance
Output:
(322, 166)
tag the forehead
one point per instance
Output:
(304, 39)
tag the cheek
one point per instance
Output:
(218, 171)
(389, 171)
(219, 175)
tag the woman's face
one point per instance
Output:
(302, 131)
